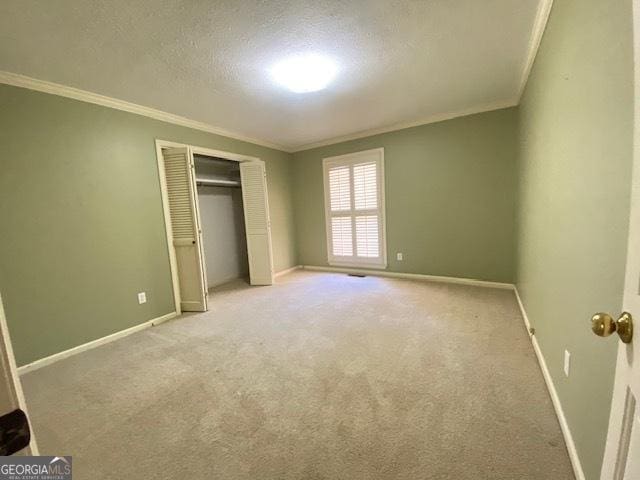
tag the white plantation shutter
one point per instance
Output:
(354, 201)
(367, 236)
(341, 236)
(340, 188)
(365, 186)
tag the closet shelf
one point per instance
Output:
(217, 183)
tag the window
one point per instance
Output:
(354, 206)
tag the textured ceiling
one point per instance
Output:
(400, 61)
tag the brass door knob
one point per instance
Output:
(604, 325)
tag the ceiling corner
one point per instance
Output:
(537, 32)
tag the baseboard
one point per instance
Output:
(191, 306)
(287, 270)
(43, 362)
(562, 419)
(411, 276)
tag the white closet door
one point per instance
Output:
(185, 229)
(257, 223)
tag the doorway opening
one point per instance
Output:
(224, 240)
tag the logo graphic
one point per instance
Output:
(35, 468)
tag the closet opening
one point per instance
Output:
(217, 222)
(224, 241)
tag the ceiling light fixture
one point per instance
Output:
(304, 73)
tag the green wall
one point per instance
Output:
(82, 226)
(81, 215)
(450, 194)
(575, 165)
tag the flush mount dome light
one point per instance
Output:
(304, 73)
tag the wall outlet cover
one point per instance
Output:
(567, 362)
(399, 256)
(142, 298)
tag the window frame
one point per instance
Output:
(373, 155)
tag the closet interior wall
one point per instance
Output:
(222, 219)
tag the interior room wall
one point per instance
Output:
(224, 239)
(575, 166)
(449, 192)
(82, 222)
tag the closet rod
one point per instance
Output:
(217, 183)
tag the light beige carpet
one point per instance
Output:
(322, 376)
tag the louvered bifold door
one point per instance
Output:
(257, 224)
(187, 240)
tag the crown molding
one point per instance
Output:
(441, 117)
(539, 26)
(23, 81)
(540, 23)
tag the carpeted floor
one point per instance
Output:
(322, 376)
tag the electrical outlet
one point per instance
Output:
(142, 298)
(399, 256)
(567, 362)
